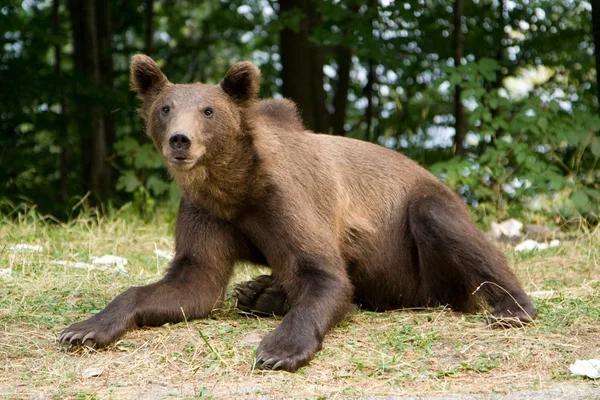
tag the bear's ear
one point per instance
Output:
(242, 82)
(146, 77)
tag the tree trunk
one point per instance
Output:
(596, 27)
(92, 56)
(499, 46)
(149, 27)
(371, 82)
(63, 131)
(369, 90)
(340, 99)
(497, 84)
(105, 33)
(97, 154)
(302, 65)
(459, 112)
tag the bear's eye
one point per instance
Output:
(165, 110)
(208, 112)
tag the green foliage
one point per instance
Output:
(528, 84)
(143, 176)
(526, 155)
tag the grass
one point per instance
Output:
(406, 352)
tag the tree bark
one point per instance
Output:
(149, 33)
(340, 98)
(91, 24)
(596, 28)
(459, 112)
(497, 84)
(371, 82)
(65, 148)
(105, 34)
(302, 65)
(500, 46)
(97, 174)
(369, 90)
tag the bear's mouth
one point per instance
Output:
(181, 161)
(184, 160)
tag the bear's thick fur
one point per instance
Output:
(339, 221)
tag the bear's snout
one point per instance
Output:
(179, 141)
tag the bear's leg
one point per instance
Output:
(319, 294)
(206, 249)
(455, 260)
(262, 295)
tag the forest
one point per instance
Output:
(498, 98)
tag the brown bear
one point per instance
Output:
(338, 221)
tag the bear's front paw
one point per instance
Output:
(263, 295)
(286, 350)
(95, 332)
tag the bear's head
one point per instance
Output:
(193, 124)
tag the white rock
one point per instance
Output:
(509, 228)
(6, 273)
(23, 247)
(530, 245)
(74, 264)
(527, 245)
(108, 260)
(542, 294)
(588, 368)
(164, 254)
(104, 263)
(251, 339)
(92, 372)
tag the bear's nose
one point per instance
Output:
(179, 141)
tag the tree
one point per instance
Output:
(302, 62)
(596, 25)
(149, 29)
(394, 73)
(91, 24)
(460, 126)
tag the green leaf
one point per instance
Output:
(494, 101)
(580, 199)
(554, 106)
(156, 185)
(557, 181)
(593, 193)
(543, 124)
(595, 147)
(128, 182)
(488, 68)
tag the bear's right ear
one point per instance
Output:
(242, 82)
(146, 77)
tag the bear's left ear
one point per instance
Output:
(242, 82)
(146, 78)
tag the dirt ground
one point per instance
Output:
(405, 354)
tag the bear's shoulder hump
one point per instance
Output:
(283, 111)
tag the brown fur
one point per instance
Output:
(337, 220)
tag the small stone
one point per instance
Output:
(92, 372)
(6, 273)
(539, 232)
(509, 229)
(23, 247)
(542, 294)
(587, 368)
(251, 339)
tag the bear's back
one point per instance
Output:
(283, 112)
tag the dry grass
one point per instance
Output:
(402, 353)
